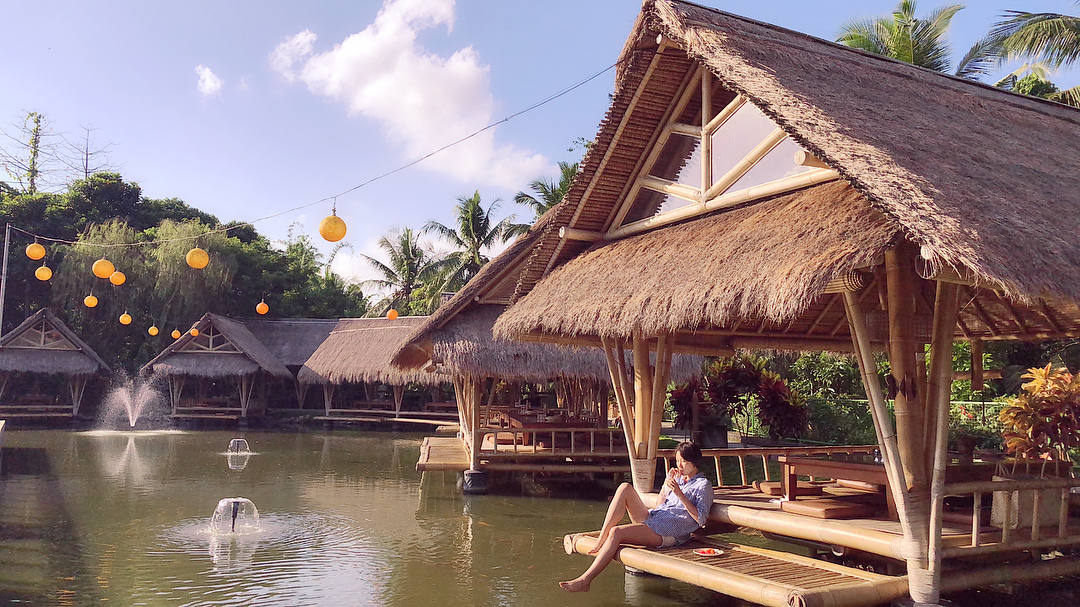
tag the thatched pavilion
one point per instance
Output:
(358, 351)
(457, 340)
(292, 341)
(43, 346)
(222, 352)
(753, 187)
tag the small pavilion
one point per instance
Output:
(752, 187)
(40, 347)
(292, 341)
(225, 369)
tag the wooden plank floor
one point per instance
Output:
(762, 576)
(443, 453)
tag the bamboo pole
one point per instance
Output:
(477, 396)
(900, 279)
(946, 311)
(976, 365)
(642, 394)
(659, 391)
(620, 397)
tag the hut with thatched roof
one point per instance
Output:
(292, 341)
(229, 367)
(754, 187)
(42, 346)
(457, 340)
(357, 351)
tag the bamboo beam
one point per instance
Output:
(806, 159)
(567, 233)
(721, 118)
(946, 310)
(706, 141)
(977, 365)
(743, 166)
(619, 385)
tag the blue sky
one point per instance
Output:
(245, 109)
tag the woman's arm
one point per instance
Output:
(687, 503)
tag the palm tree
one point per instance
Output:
(920, 42)
(550, 193)
(411, 267)
(1051, 39)
(474, 234)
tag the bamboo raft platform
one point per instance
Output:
(442, 453)
(767, 577)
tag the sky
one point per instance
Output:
(247, 109)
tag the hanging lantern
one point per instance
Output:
(103, 268)
(197, 258)
(176, 334)
(35, 251)
(392, 314)
(194, 332)
(153, 330)
(117, 278)
(125, 319)
(89, 301)
(43, 273)
(262, 308)
(332, 228)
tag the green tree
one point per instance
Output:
(410, 268)
(475, 234)
(548, 193)
(1052, 39)
(921, 42)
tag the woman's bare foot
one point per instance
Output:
(575, 585)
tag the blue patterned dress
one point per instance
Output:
(671, 520)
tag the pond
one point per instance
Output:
(123, 518)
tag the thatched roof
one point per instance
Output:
(291, 340)
(44, 344)
(359, 350)
(980, 179)
(239, 353)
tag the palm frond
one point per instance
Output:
(1050, 37)
(1068, 96)
(983, 56)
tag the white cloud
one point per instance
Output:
(422, 101)
(209, 82)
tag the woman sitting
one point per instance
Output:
(684, 507)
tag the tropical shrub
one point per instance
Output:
(1042, 419)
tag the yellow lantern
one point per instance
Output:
(125, 319)
(43, 273)
(35, 251)
(176, 333)
(89, 301)
(262, 308)
(153, 330)
(332, 228)
(392, 314)
(117, 278)
(103, 268)
(197, 258)
(194, 332)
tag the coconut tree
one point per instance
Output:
(410, 268)
(1050, 39)
(549, 193)
(920, 41)
(476, 232)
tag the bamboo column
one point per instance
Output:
(642, 395)
(617, 369)
(399, 395)
(476, 393)
(901, 284)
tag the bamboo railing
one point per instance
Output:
(606, 442)
(765, 454)
(1010, 538)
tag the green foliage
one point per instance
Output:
(550, 193)
(1042, 420)
(1034, 86)
(840, 421)
(411, 268)
(476, 232)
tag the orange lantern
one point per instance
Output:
(35, 251)
(197, 258)
(117, 278)
(89, 301)
(103, 268)
(125, 319)
(262, 308)
(392, 314)
(176, 334)
(43, 273)
(153, 330)
(332, 228)
(194, 332)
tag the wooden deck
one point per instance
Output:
(442, 453)
(767, 577)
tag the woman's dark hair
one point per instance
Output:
(690, 452)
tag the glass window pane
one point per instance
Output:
(679, 161)
(646, 204)
(739, 134)
(777, 164)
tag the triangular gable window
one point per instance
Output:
(210, 340)
(742, 148)
(42, 336)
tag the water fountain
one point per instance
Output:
(131, 399)
(235, 516)
(238, 454)
(239, 445)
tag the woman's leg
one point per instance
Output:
(626, 501)
(635, 533)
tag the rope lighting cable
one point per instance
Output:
(225, 230)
